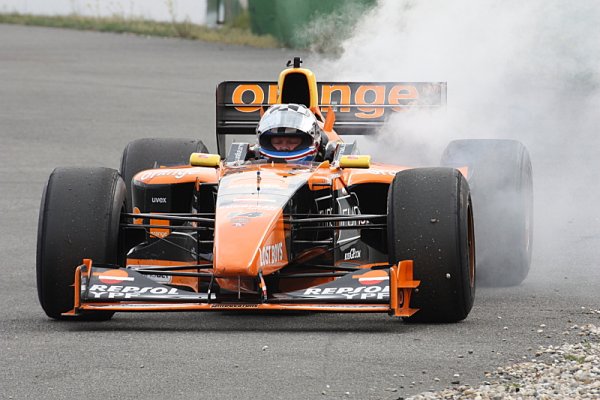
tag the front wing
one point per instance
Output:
(388, 290)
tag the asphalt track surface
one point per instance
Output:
(72, 98)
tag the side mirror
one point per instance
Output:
(205, 160)
(237, 152)
(355, 161)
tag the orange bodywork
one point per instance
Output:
(257, 244)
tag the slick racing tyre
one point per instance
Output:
(500, 178)
(151, 153)
(430, 221)
(79, 218)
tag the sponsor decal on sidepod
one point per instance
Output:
(173, 172)
(353, 254)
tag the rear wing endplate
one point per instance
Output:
(360, 107)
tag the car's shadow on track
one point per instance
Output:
(243, 322)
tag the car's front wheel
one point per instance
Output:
(79, 218)
(430, 221)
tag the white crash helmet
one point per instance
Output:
(289, 121)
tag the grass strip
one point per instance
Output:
(228, 34)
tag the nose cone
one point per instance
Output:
(250, 235)
(249, 229)
(248, 241)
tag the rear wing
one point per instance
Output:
(360, 107)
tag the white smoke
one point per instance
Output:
(525, 70)
(522, 70)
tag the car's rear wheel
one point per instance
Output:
(148, 153)
(79, 218)
(500, 177)
(430, 221)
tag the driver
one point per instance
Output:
(289, 132)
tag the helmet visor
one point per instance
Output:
(294, 121)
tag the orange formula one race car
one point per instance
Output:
(298, 221)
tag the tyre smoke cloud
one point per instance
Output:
(528, 71)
